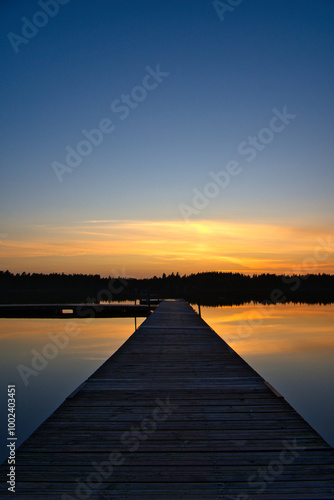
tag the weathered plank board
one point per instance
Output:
(175, 413)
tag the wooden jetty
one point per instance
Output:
(175, 413)
(76, 310)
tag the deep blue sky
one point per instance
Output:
(225, 78)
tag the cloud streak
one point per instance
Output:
(150, 247)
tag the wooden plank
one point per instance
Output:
(148, 473)
(322, 458)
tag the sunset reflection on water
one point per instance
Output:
(291, 346)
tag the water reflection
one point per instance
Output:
(291, 346)
(68, 361)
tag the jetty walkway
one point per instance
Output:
(175, 413)
(76, 310)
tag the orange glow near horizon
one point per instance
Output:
(147, 248)
(258, 330)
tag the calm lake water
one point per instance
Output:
(291, 346)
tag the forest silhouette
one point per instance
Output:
(207, 288)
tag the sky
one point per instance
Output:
(144, 137)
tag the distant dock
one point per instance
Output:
(174, 414)
(77, 310)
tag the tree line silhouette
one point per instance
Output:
(207, 288)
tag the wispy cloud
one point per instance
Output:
(191, 247)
